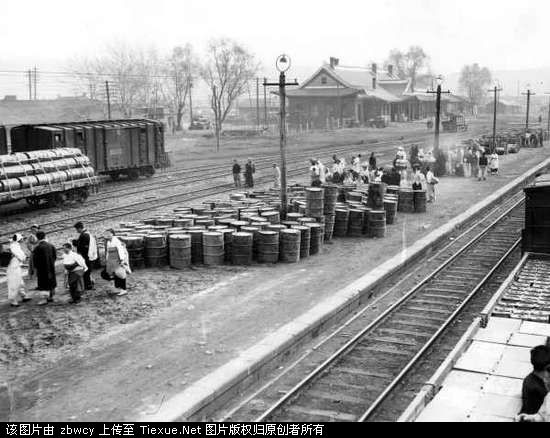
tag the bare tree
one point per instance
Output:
(227, 70)
(473, 81)
(129, 70)
(409, 64)
(180, 69)
(397, 59)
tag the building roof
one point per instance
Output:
(322, 92)
(382, 94)
(355, 81)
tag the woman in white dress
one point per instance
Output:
(14, 272)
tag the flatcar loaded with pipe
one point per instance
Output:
(133, 147)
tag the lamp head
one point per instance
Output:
(283, 63)
(439, 80)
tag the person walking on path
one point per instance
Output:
(483, 167)
(493, 163)
(14, 272)
(249, 171)
(117, 266)
(44, 257)
(372, 161)
(474, 162)
(276, 176)
(86, 246)
(31, 243)
(75, 270)
(322, 171)
(314, 174)
(237, 174)
(431, 182)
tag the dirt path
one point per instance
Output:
(115, 359)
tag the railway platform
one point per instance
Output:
(245, 318)
(481, 379)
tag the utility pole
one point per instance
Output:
(438, 93)
(190, 100)
(257, 104)
(528, 94)
(495, 90)
(29, 75)
(283, 64)
(548, 125)
(265, 106)
(108, 95)
(35, 80)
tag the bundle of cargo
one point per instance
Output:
(53, 176)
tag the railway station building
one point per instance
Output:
(344, 96)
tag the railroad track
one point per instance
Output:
(350, 381)
(173, 178)
(187, 195)
(263, 162)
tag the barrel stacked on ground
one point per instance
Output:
(249, 227)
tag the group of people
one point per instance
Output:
(356, 172)
(78, 257)
(249, 171)
(535, 394)
(477, 163)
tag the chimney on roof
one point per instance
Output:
(334, 62)
(390, 70)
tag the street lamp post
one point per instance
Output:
(282, 64)
(438, 93)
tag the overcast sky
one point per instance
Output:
(501, 34)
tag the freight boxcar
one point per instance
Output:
(3, 141)
(133, 147)
(536, 233)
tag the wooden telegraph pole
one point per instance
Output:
(495, 90)
(283, 64)
(108, 95)
(528, 94)
(438, 93)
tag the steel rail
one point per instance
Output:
(372, 408)
(353, 341)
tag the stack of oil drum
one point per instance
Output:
(38, 168)
(250, 228)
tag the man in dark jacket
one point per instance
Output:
(44, 256)
(534, 388)
(84, 247)
(237, 174)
